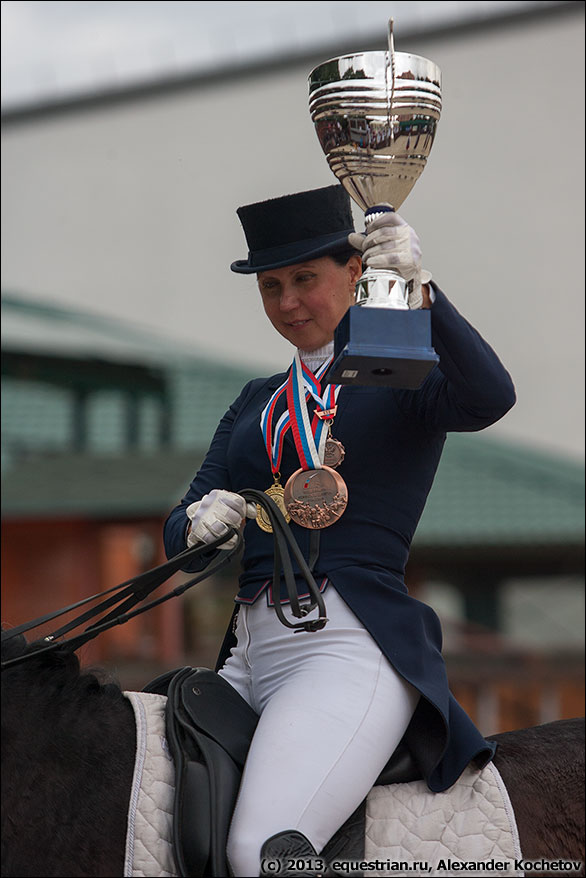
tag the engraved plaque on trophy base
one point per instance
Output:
(382, 347)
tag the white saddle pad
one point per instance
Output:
(406, 824)
(472, 822)
(149, 850)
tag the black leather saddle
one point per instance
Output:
(209, 729)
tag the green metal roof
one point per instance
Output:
(97, 486)
(30, 324)
(38, 408)
(492, 492)
(38, 417)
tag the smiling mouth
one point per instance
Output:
(295, 323)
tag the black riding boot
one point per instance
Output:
(296, 855)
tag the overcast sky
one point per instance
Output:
(52, 50)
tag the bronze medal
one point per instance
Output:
(334, 452)
(275, 492)
(316, 498)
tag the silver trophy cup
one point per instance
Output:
(375, 115)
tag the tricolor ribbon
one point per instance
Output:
(310, 439)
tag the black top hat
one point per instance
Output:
(294, 228)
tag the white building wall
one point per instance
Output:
(128, 208)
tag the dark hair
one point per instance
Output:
(341, 257)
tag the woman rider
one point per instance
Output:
(335, 703)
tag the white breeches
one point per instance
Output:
(332, 710)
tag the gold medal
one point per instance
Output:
(276, 492)
(316, 498)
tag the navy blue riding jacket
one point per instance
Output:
(393, 441)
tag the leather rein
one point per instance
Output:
(121, 599)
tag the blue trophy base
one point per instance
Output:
(383, 347)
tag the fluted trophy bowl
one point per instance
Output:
(375, 115)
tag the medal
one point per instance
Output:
(316, 498)
(334, 452)
(273, 438)
(315, 495)
(276, 492)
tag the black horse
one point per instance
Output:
(68, 748)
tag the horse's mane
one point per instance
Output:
(68, 742)
(59, 669)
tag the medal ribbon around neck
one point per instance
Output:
(316, 495)
(274, 437)
(322, 503)
(310, 438)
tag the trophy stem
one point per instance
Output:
(381, 287)
(390, 64)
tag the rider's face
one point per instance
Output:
(306, 301)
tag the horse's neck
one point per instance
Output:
(68, 759)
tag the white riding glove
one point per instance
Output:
(214, 514)
(391, 243)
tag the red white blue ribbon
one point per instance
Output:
(301, 384)
(309, 438)
(273, 439)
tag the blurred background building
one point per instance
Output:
(130, 134)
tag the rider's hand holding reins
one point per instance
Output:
(213, 515)
(391, 243)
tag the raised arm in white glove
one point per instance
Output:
(391, 243)
(214, 514)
